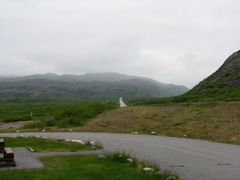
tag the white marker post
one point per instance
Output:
(121, 103)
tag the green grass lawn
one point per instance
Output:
(87, 167)
(45, 145)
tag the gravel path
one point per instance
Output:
(191, 159)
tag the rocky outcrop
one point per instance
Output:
(226, 77)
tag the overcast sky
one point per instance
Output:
(172, 41)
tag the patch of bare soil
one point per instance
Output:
(13, 125)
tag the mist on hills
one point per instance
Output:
(95, 85)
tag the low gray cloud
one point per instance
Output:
(171, 41)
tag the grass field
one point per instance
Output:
(45, 145)
(210, 121)
(215, 121)
(84, 168)
(53, 114)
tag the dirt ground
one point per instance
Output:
(13, 126)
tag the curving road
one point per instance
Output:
(191, 159)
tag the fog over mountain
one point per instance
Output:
(95, 85)
(171, 41)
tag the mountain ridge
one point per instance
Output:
(93, 85)
(225, 81)
(81, 77)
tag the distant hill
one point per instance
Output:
(95, 85)
(70, 77)
(225, 82)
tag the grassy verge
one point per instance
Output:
(89, 167)
(210, 121)
(46, 145)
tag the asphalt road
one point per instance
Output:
(191, 159)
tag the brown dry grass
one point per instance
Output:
(212, 121)
(13, 126)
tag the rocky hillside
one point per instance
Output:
(225, 81)
(105, 85)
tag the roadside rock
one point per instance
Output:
(30, 149)
(129, 160)
(101, 156)
(92, 143)
(153, 133)
(78, 141)
(93, 148)
(171, 178)
(159, 173)
(135, 133)
(148, 169)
